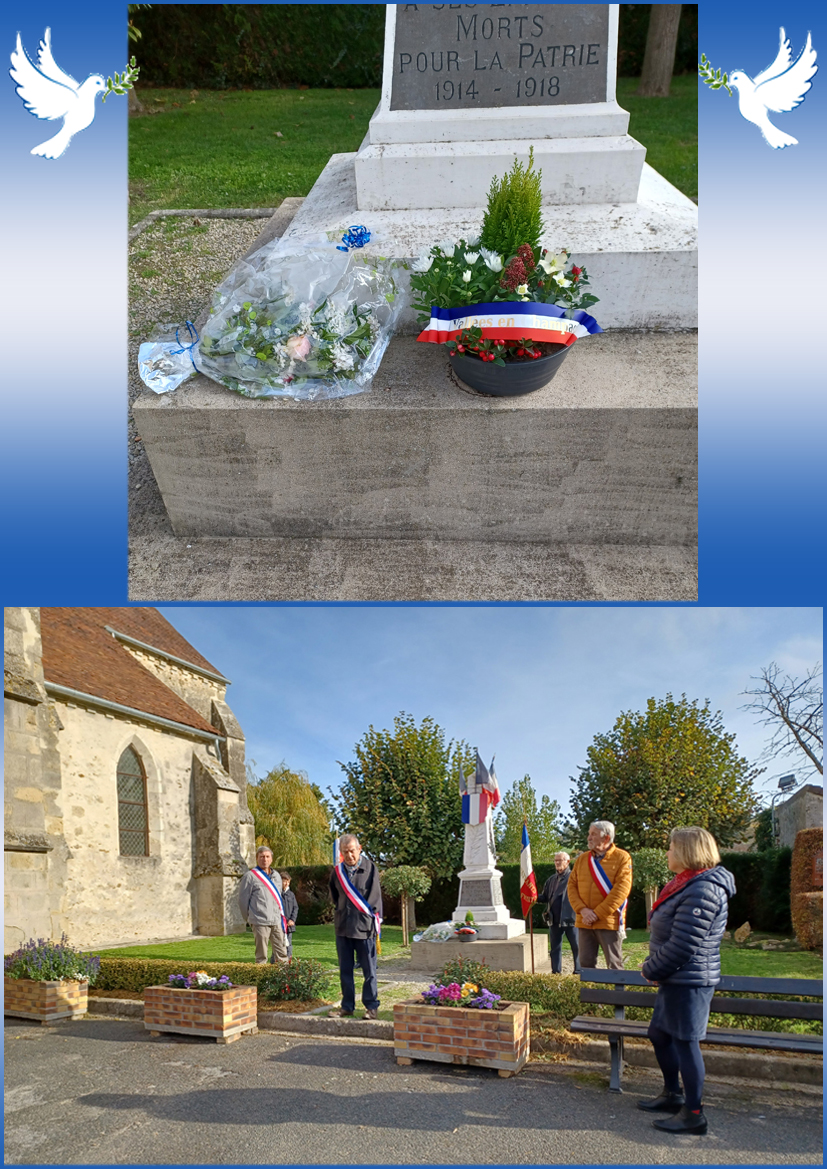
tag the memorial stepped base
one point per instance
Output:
(496, 953)
(605, 454)
(641, 256)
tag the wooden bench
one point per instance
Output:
(614, 993)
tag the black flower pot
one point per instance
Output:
(511, 379)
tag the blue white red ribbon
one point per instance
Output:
(603, 882)
(511, 320)
(268, 884)
(355, 897)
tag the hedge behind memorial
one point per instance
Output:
(267, 46)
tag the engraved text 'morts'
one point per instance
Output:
(536, 54)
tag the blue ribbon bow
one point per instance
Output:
(354, 237)
(187, 348)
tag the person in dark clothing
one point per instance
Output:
(560, 915)
(357, 898)
(687, 923)
(291, 910)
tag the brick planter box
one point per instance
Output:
(44, 1002)
(462, 1035)
(222, 1015)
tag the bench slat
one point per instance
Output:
(729, 1036)
(769, 1008)
(807, 987)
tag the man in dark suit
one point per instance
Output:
(560, 915)
(357, 898)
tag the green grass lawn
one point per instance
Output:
(309, 941)
(212, 149)
(668, 128)
(743, 960)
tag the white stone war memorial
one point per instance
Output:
(501, 940)
(606, 454)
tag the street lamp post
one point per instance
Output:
(785, 784)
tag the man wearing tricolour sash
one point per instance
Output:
(598, 889)
(357, 898)
(260, 901)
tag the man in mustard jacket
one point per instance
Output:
(598, 888)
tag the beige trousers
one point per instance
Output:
(274, 935)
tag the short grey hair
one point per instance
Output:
(606, 828)
(347, 839)
(264, 848)
(565, 854)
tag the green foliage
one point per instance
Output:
(513, 215)
(262, 46)
(712, 77)
(649, 868)
(136, 974)
(407, 880)
(297, 979)
(764, 838)
(519, 803)
(673, 764)
(121, 82)
(401, 796)
(290, 818)
(47, 961)
(762, 889)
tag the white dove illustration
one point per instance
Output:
(779, 89)
(49, 93)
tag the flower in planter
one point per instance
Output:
(467, 995)
(199, 980)
(47, 961)
(478, 284)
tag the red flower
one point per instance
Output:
(514, 274)
(575, 270)
(527, 256)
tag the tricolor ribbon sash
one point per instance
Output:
(355, 897)
(603, 882)
(268, 884)
(510, 320)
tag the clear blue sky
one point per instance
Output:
(532, 684)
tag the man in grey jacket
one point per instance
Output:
(261, 907)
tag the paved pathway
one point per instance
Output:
(102, 1091)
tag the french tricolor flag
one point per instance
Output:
(528, 882)
(475, 805)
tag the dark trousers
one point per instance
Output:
(555, 945)
(350, 951)
(684, 1056)
(607, 940)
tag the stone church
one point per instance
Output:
(126, 813)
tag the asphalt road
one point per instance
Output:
(102, 1091)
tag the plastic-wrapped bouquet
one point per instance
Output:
(200, 980)
(301, 320)
(469, 994)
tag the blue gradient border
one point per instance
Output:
(63, 525)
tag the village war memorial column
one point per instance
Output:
(607, 453)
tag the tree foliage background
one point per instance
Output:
(290, 816)
(401, 798)
(543, 823)
(670, 765)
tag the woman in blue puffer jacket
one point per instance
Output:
(687, 923)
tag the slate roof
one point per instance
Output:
(79, 653)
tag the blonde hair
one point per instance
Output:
(694, 848)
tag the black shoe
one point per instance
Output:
(666, 1102)
(685, 1121)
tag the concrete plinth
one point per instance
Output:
(605, 454)
(497, 954)
(641, 256)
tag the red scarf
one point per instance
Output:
(676, 883)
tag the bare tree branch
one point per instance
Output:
(794, 709)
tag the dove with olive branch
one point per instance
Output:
(777, 90)
(49, 93)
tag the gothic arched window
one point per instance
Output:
(133, 828)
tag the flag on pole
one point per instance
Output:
(475, 805)
(528, 882)
(335, 851)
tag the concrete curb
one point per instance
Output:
(741, 1064)
(202, 213)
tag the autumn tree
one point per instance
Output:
(400, 796)
(290, 817)
(520, 801)
(671, 765)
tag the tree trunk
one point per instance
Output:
(650, 896)
(659, 58)
(135, 106)
(404, 919)
(411, 915)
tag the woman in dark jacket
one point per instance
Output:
(687, 923)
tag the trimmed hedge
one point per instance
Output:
(136, 974)
(269, 46)
(806, 899)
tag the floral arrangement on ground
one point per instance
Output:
(469, 994)
(48, 961)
